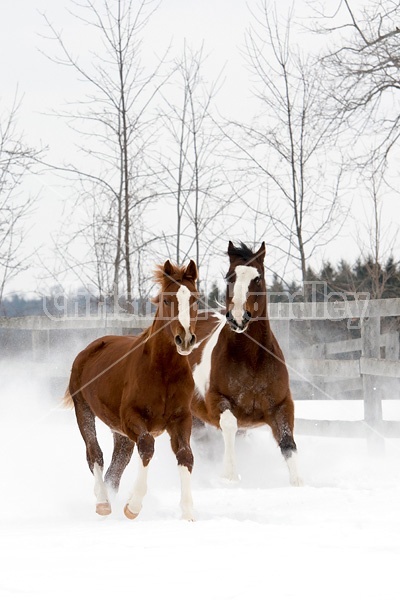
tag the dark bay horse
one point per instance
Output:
(139, 387)
(239, 370)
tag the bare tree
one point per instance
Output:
(362, 76)
(93, 230)
(290, 146)
(191, 175)
(378, 251)
(16, 160)
(363, 69)
(115, 120)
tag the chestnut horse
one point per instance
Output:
(239, 370)
(139, 387)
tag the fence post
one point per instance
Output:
(392, 351)
(370, 348)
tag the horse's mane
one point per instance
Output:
(161, 277)
(242, 251)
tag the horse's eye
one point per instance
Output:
(167, 302)
(258, 280)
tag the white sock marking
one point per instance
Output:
(139, 490)
(228, 424)
(186, 493)
(294, 477)
(244, 275)
(201, 372)
(100, 489)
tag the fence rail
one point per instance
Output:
(357, 364)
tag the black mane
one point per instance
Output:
(243, 252)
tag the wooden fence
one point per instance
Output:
(359, 364)
(363, 363)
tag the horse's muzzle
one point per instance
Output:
(185, 346)
(234, 325)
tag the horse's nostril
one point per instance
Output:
(229, 316)
(178, 340)
(192, 339)
(246, 316)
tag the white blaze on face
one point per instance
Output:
(244, 275)
(183, 295)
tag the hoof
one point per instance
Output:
(230, 478)
(129, 514)
(296, 482)
(103, 509)
(189, 518)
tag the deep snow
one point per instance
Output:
(337, 537)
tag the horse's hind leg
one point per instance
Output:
(123, 448)
(94, 455)
(282, 423)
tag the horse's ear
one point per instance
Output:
(168, 269)
(261, 252)
(231, 248)
(191, 271)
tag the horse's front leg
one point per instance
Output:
(145, 444)
(179, 430)
(228, 425)
(135, 428)
(222, 416)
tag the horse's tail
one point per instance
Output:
(67, 400)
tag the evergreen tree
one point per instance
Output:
(215, 298)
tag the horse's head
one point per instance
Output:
(246, 290)
(177, 303)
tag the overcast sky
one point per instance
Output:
(44, 86)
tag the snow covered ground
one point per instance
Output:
(338, 537)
